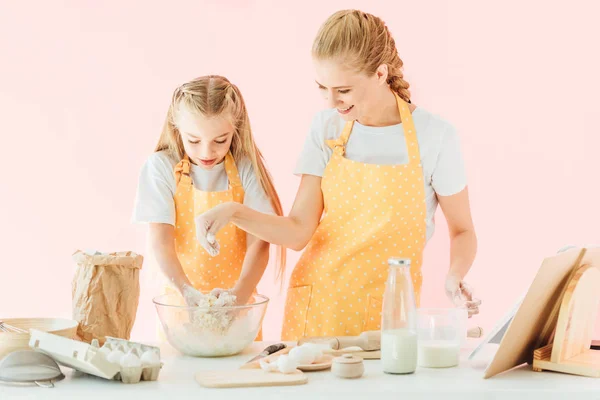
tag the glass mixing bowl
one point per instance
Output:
(210, 332)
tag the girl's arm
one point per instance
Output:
(162, 240)
(255, 263)
(293, 231)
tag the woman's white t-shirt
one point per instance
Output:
(156, 187)
(439, 145)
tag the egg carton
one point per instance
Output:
(90, 359)
(132, 374)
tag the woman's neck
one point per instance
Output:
(384, 111)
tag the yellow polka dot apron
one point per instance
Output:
(371, 213)
(205, 272)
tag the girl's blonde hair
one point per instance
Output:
(212, 96)
(363, 42)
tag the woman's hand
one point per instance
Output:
(209, 223)
(461, 294)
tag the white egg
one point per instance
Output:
(130, 360)
(287, 364)
(150, 357)
(303, 355)
(115, 356)
(315, 348)
(267, 366)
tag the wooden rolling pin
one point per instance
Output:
(368, 340)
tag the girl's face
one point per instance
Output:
(206, 140)
(349, 92)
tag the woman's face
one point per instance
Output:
(346, 90)
(206, 140)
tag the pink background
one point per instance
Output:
(84, 88)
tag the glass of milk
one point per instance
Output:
(441, 333)
(399, 320)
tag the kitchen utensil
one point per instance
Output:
(4, 327)
(248, 378)
(198, 331)
(348, 366)
(536, 310)
(13, 341)
(255, 364)
(441, 332)
(25, 366)
(91, 360)
(570, 352)
(365, 355)
(325, 363)
(274, 348)
(369, 340)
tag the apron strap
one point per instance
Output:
(233, 176)
(339, 145)
(410, 133)
(182, 172)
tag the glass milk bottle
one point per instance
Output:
(399, 320)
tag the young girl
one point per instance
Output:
(206, 156)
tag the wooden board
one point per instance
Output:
(578, 313)
(248, 378)
(538, 306)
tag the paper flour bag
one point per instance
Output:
(105, 293)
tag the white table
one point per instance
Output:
(176, 381)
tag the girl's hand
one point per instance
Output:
(191, 295)
(209, 223)
(461, 294)
(240, 297)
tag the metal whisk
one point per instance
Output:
(4, 327)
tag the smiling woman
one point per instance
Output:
(374, 167)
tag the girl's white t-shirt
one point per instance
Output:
(439, 145)
(157, 185)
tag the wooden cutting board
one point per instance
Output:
(248, 378)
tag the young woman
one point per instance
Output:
(378, 166)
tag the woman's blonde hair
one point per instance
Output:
(212, 96)
(363, 42)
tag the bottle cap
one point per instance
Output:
(394, 261)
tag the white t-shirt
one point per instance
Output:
(157, 185)
(439, 145)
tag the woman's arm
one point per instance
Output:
(255, 263)
(463, 247)
(293, 231)
(463, 241)
(162, 240)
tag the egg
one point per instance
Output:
(115, 356)
(287, 364)
(303, 355)
(130, 360)
(150, 357)
(267, 366)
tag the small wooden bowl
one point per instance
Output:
(10, 341)
(348, 366)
